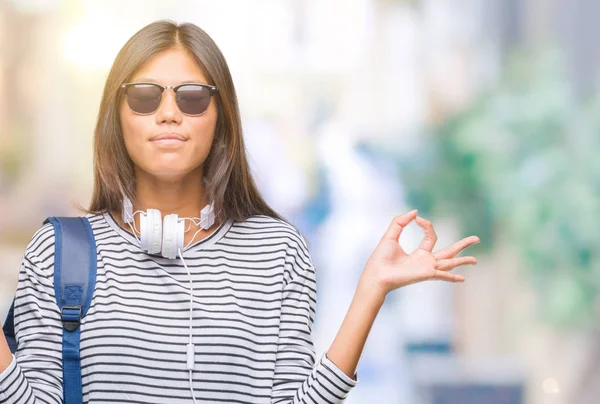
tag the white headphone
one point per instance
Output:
(164, 236)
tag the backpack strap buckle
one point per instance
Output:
(71, 317)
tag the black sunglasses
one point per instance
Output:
(192, 99)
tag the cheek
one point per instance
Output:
(133, 130)
(203, 133)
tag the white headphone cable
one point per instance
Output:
(190, 353)
(190, 347)
(133, 232)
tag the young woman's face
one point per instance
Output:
(168, 159)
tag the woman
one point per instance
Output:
(169, 137)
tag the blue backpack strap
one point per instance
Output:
(9, 329)
(74, 280)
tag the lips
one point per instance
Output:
(168, 136)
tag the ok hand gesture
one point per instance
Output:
(390, 267)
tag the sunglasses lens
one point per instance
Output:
(143, 98)
(193, 100)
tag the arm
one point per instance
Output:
(34, 374)
(297, 378)
(5, 354)
(388, 268)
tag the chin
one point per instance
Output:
(170, 172)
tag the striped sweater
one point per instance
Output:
(254, 308)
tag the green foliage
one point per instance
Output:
(523, 162)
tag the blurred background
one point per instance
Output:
(483, 114)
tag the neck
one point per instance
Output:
(185, 196)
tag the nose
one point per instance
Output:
(168, 111)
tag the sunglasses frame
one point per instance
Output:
(212, 89)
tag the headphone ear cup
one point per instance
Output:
(144, 231)
(173, 234)
(151, 231)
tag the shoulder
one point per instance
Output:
(41, 244)
(40, 249)
(298, 261)
(273, 228)
(38, 260)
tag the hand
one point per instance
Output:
(389, 267)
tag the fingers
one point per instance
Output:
(430, 237)
(456, 248)
(448, 264)
(444, 266)
(398, 224)
(448, 276)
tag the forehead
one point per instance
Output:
(170, 67)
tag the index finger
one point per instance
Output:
(430, 237)
(398, 224)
